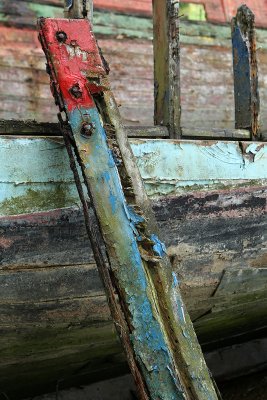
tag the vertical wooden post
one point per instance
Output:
(78, 9)
(167, 65)
(247, 102)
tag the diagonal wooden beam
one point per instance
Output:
(158, 336)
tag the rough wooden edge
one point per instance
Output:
(247, 100)
(215, 133)
(34, 128)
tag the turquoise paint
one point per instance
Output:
(167, 167)
(158, 247)
(198, 161)
(148, 340)
(175, 280)
(35, 160)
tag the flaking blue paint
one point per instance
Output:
(175, 280)
(147, 337)
(158, 247)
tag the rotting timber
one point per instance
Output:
(161, 347)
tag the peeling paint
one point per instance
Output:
(167, 167)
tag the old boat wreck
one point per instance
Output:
(206, 185)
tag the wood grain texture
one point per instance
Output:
(55, 322)
(213, 231)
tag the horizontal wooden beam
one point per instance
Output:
(34, 128)
(216, 133)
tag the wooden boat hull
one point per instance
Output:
(210, 201)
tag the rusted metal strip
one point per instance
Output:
(158, 336)
(247, 101)
(167, 65)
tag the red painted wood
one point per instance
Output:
(74, 58)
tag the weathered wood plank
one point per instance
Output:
(45, 358)
(60, 313)
(207, 234)
(132, 61)
(31, 127)
(34, 128)
(48, 284)
(214, 133)
(215, 231)
(224, 216)
(36, 182)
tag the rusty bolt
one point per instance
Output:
(61, 36)
(87, 129)
(76, 91)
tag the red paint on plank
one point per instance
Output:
(77, 53)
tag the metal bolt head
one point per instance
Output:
(61, 36)
(87, 130)
(76, 91)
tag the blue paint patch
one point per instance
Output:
(175, 280)
(159, 247)
(133, 216)
(113, 202)
(111, 161)
(134, 219)
(105, 176)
